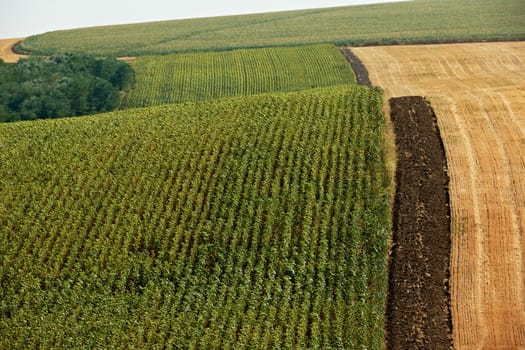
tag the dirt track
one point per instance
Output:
(6, 50)
(478, 94)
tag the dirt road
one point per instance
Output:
(478, 94)
(6, 50)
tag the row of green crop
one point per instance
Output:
(407, 21)
(259, 222)
(204, 76)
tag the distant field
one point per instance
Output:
(413, 21)
(204, 76)
(260, 222)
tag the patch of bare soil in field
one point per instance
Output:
(361, 74)
(478, 94)
(126, 58)
(418, 314)
(6, 50)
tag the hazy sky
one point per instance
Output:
(19, 18)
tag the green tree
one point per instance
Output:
(61, 86)
(104, 97)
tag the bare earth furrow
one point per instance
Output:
(478, 94)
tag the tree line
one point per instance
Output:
(62, 85)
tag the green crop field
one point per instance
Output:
(412, 21)
(210, 75)
(259, 221)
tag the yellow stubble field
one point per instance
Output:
(478, 94)
(6, 50)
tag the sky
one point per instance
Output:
(21, 18)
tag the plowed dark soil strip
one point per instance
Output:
(418, 310)
(361, 73)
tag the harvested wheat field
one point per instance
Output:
(478, 94)
(6, 50)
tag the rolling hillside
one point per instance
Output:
(202, 76)
(412, 21)
(259, 221)
(249, 216)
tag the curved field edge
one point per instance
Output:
(201, 76)
(260, 221)
(403, 22)
(6, 50)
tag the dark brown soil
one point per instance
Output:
(361, 73)
(418, 310)
(16, 48)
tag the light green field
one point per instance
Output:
(412, 21)
(205, 76)
(259, 221)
